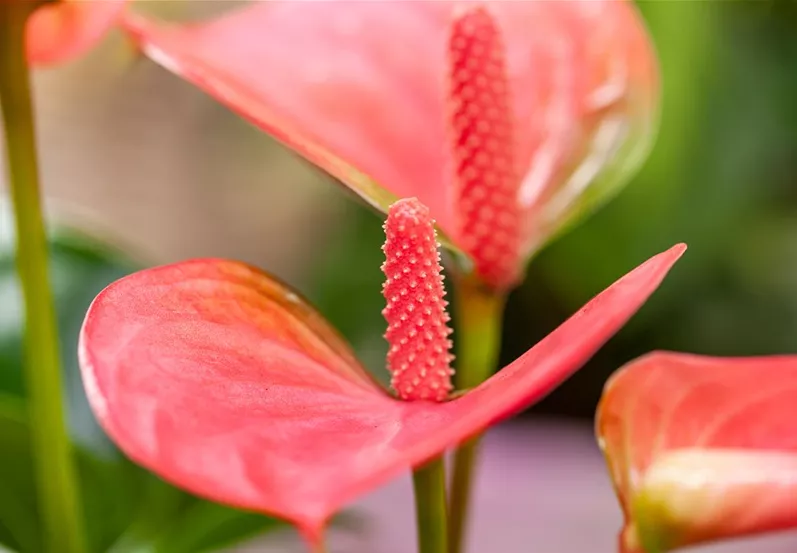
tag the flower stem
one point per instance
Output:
(57, 491)
(430, 506)
(479, 313)
(429, 481)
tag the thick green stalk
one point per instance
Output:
(479, 312)
(430, 507)
(57, 491)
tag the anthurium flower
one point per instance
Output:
(701, 448)
(508, 119)
(61, 30)
(223, 381)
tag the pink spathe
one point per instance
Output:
(223, 381)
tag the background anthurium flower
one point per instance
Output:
(62, 30)
(508, 119)
(701, 448)
(225, 382)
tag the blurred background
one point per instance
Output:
(161, 172)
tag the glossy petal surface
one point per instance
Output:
(701, 448)
(351, 96)
(208, 373)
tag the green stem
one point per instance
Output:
(57, 491)
(479, 312)
(430, 507)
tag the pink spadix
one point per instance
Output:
(483, 146)
(417, 331)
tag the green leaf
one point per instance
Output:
(19, 527)
(208, 527)
(81, 267)
(109, 488)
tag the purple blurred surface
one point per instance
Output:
(542, 488)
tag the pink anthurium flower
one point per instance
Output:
(701, 448)
(508, 119)
(61, 30)
(223, 381)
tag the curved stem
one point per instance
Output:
(430, 506)
(479, 314)
(57, 491)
